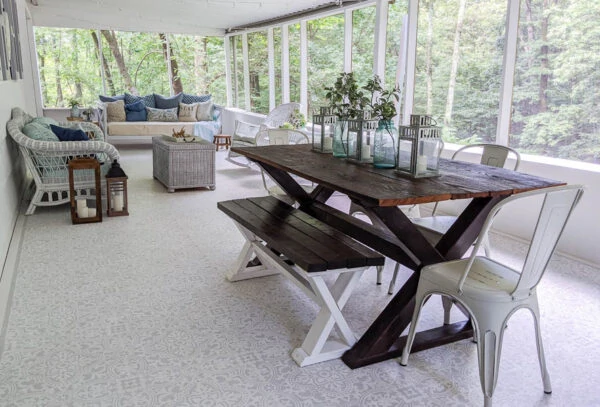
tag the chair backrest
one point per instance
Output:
(493, 155)
(558, 203)
(279, 115)
(280, 137)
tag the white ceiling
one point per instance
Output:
(202, 17)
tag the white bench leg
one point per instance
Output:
(240, 271)
(317, 347)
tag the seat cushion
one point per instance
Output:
(148, 128)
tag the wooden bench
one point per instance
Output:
(273, 228)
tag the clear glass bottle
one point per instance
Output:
(385, 151)
(340, 139)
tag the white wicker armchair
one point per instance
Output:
(245, 134)
(47, 161)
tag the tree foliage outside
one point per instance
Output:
(460, 47)
(70, 64)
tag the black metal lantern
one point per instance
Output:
(84, 190)
(116, 191)
(323, 130)
(419, 147)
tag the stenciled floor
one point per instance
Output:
(135, 311)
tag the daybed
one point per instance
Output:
(148, 116)
(47, 161)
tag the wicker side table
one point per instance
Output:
(183, 165)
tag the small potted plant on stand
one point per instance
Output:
(347, 101)
(383, 104)
(74, 105)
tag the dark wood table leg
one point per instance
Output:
(382, 339)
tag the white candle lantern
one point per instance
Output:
(419, 147)
(361, 137)
(323, 130)
(116, 191)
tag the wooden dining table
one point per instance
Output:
(379, 192)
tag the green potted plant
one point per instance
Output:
(74, 105)
(383, 106)
(347, 100)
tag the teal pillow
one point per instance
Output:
(46, 121)
(38, 131)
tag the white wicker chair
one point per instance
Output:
(245, 134)
(47, 161)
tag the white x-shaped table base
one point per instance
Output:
(317, 346)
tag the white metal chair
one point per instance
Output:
(245, 134)
(281, 137)
(435, 226)
(491, 292)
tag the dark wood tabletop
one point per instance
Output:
(385, 187)
(379, 192)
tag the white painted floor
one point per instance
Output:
(135, 311)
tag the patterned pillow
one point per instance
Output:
(38, 131)
(148, 100)
(187, 113)
(115, 111)
(205, 111)
(111, 98)
(163, 102)
(162, 115)
(189, 99)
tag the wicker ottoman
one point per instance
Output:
(183, 165)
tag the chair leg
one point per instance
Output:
(447, 305)
(486, 246)
(379, 274)
(37, 197)
(540, 346)
(393, 280)
(489, 346)
(419, 301)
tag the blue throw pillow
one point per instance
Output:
(163, 102)
(136, 112)
(65, 134)
(189, 99)
(148, 100)
(111, 98)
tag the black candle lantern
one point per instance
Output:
(116, 191)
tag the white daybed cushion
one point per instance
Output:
(148, 128)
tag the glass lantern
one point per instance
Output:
(116, 191)
(323, 130)
(419, 148)
(84, 190)
(361, 137)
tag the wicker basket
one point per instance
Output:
(183, 165)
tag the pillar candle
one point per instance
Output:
(366, 152)
(327, 143)
(421, 164)
(118, 202)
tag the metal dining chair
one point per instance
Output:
(435, 226)
(491, 291)
(282, 137)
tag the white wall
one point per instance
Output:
(12, 170)
(582, 234)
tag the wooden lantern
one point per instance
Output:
(116, 191)
(419, 148)
(323, 130)
(84, 190)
